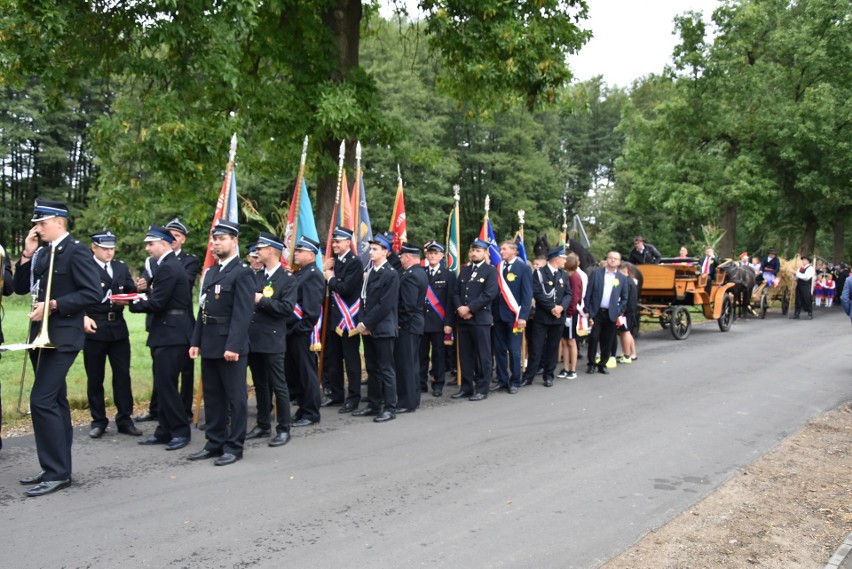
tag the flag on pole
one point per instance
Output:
(487, 234)
(362, 227)
(397, 223)
(579, 233)
(300, 221)
(226, 205)
(452, 257)
(519, 237)
(341, 214)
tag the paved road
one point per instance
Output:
(561, 477)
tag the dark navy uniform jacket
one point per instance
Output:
(110, 328)
(347, 281)
(380, 303)
(169, 304)
(310, 288)
(549, 291)
(476, 288)
(412, 291)
(226, 311)
(443, 284)
(75, 287)
(268, 330)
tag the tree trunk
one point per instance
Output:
(839, 228)
(809, 240)
(729, 238)
(344, 21)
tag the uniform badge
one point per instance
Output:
(614, 283)
(560, 282)
(511, 277)
(549, 283)
(268, 291)
(482, 279)
(216, 290)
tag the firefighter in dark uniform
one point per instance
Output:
(413, 283)
(344, 275)
(221, 340)
(438, 314)
(301, 362)
(107, 337)
(379, 326)
(552, 294)
(476, 289)
(169, 325)
(8, 289)
(191, 265)
(274, 300)
(74, 288)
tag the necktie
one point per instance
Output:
(505, 270)
(108, 269)
(705, 270)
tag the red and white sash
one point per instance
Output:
(506, 293)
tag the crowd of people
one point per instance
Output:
(301, 333)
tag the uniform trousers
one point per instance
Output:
(475, 358)
(432, 343)
(187, 381)
(95, 357)
(545, 338)
(340, 351)
(301, 372)
(803, 298)
(381, 379)
(225, 404)
(602, 333)
(507, 353)
(51, 412)
(267, 374)
(406, 354)
(171, 418)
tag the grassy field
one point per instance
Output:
(15, 325)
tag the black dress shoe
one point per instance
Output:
(34, 479)
(603, 370)
(47, 487)
(460, 395)
(365, 412)
(591, 369)
(513, 390)
(280, 439)
(437, 393)
(478, 397)
(177, 443)
(384, 417)
(257, 432)
(548, 382)
(402, 411)
(424, 389)
(525, 382)
(226, 459)
(145, 418)
(96, 432)
(303, 423)
(204, 454)
(152, 441)
(130, 430)
(329, 403)
(347, 408)
(500, 387)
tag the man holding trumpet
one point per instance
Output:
(64, 282)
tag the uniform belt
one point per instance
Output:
(215, 319)
(108, 316)
(176, 312)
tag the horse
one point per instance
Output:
(743, 278)
(541, 246)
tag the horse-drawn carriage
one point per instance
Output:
(669, 289)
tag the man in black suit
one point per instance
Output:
(191, 265)
(221, 340)
(107, 337)
(379, 325)
(8, 289)
(67, 265)
(413, 283)
(274, 300)
(605, 301)
(438, 314)
(707, 265)
(344, 275)
(169, 324)
(301, 362)
(476, 289)
(552, 293)
(511, 312)
(644, 253)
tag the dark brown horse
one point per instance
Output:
(743, 278)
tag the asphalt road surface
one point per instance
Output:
(562, 477)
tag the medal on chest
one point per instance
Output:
(216, 290)
(267, 291)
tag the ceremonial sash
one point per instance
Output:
(506, 292)
(435, 303)
(316, 335)
(297, 312)
(349, 313)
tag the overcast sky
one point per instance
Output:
(632, 38)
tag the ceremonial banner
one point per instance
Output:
(363, 229)
(452, 255)
(519, 241)
(397, 224)
(487, 234)
(226, 205)
(300, 221)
